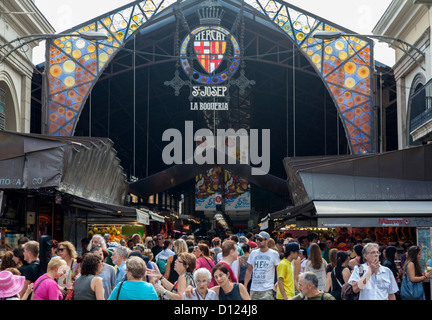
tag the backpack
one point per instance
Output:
(322, 296)
(161, 263)
(347, 292)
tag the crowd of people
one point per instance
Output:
(249, 267)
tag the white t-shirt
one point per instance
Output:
(234, 266)
(263, 272)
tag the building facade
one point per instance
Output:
(410, 22)
(18, 18)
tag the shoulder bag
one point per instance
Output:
(347, 292)
(411, 290)
(34, 289)
(118, 292)
(70, 294)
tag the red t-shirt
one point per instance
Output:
(232, 276)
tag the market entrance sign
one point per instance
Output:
(210, 57)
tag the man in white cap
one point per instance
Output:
(262, 265)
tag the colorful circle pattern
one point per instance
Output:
(345, 66)
(74, 64)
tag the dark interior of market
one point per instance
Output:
(131, 105)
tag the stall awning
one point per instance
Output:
(155, 216)
(81, 166)
(373, 213)
(331, 214)
(402, 175)
(373, 208)
(110, 214)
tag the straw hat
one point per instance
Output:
(10, 284)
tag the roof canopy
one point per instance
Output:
(397, 183)
(398, 175)
(80, 166)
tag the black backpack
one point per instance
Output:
(347, 292)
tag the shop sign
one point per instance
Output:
(131, 230)
(393, 222)
(143, 217)
(375, 222)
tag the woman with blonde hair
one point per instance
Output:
(272, 244)
(149, 242)
(171, 275)
(317, 265)
(67, 252)
(46, 287)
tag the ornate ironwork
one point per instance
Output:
(73, 65)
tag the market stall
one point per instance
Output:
(48, 183)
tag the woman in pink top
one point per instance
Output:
(46, 287)
(204, 260)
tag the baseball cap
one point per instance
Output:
(243, 239)
(263, 235)
(292, 246)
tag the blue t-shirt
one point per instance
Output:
(134, 290)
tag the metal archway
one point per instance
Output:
(73, 65)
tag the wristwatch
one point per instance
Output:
(165, 291)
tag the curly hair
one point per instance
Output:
(90, 264)
(7, 261)
(70, 248)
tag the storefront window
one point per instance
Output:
(11, 218)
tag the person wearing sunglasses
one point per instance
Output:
(159, 245)
(262, 267)
(185, 266)
(376, 282)
(67, 252)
